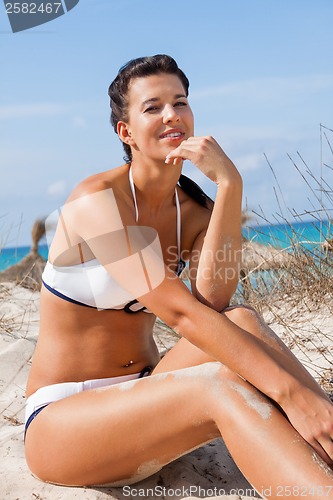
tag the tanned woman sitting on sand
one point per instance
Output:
(102, 407)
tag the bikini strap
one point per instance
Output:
(179, 223)
(179, 219)
(130, 176)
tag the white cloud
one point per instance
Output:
(79, 122)
(267, 88)
(30, 110)
(14, 157)
(248, 162)
(57, 189)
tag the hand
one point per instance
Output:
(311, 414)
(206, 154)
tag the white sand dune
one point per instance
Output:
(208, 472)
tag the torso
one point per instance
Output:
(106, 343)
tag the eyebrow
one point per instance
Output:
(155, 99)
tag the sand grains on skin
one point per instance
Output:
(256, 402)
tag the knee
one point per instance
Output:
(217, 375)
(230, 395)
(210, 373)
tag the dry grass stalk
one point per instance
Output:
(28, 272)
(301, 285)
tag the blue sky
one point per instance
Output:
(261, 74)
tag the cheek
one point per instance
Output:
(190, 119)
(145, 126)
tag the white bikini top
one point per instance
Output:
(89, 283)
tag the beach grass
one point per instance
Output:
(296, 298)
(307, 275)
(7, 323)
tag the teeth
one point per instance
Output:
(175, 134)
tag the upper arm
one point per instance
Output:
(195, 258)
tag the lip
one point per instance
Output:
(179, 131)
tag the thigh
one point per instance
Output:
(182, 355)
(185, 354)
(121, 433)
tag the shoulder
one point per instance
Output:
(90, 215)
(98, 203)
(108, 180)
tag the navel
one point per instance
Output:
(131, 362)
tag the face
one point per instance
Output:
(159, 116)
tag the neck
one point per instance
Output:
(155, 184)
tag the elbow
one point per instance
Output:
(184, 326)
(215, 302)
(178, 313)
(184, 319)
(194, 323)
(176, 322)
(217, 293)
(216, 299)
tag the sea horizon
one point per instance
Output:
(309, 234)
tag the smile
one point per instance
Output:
(172, 135)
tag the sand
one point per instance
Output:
(208, 472)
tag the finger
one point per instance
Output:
(181, 153)
(324, 448)
(186, 146)
(178, 161)
(175, 153)
(173, 161)
(327, 445)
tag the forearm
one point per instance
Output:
(276, 373)
(220, 257)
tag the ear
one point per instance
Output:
(124, 133)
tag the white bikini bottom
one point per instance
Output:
(51, 393)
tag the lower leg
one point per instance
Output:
(267, 449)
(283, 448)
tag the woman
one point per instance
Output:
(122, 238)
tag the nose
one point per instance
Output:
(170, 114)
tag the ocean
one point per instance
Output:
(308, 234)
(10, 256)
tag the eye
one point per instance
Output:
(181, 103)
(151, 109)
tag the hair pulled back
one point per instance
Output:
(118, 93)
